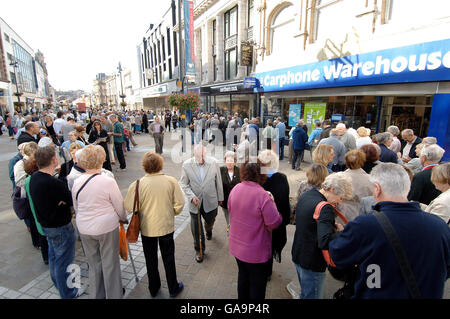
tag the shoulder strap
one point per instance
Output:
(81, 188)
(30, 200)
(324, 203)
(136, 199)
(400, 254)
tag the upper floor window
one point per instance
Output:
(6, 37)
(281, 29)
(230, 20)
(251, 17)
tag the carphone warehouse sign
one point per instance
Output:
(426, 62)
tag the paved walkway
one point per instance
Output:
(23, 275)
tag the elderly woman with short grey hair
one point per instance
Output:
(396, 145)
(311, 236)
(415, 163)
(230, 178)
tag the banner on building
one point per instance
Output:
(314, 112)
(425, 62)
(189, 48)
(246, 54)
(295, 114)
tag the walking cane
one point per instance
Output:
(199, 231)
(132, 263)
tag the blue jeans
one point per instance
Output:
(61, 253)
(311, 283)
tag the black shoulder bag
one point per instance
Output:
(81, 188)
(400, 254)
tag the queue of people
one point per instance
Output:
(406, 184)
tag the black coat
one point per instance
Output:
(387, 156)
(422, 189)
(412, 152)
(278, 185)
(25, 137)
(311, 236)
(228, 184)
(325, 133)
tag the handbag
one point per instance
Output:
(135, 223)
(400, 255)
(345, 275)
(123, 243)
(21, 205)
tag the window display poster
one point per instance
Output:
(295, 113)
(314, 111)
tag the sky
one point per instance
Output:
(81, 38)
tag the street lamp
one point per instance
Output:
(122, 96)
(15, 64)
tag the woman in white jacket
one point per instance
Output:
(440, 206)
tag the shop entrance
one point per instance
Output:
(413, 112)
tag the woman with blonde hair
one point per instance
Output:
(363, 187)
(160, 200)
(98, 204)
(363, 137)
(440, 206)
(22, 169)
(323, 154)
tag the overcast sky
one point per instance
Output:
(80, 38)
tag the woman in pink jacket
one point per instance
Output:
(251, 225)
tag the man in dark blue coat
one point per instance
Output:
(299, 141)
(424, 237)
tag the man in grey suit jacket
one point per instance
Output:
(202, 183)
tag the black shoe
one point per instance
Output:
(180, 288)
(155, 293)
(209, 235)
(198, 257)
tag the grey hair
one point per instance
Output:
(394, 130)
(341, 183)
(383, 137)
(334, 132)
(392, 178)
(429, 140)
(269, 159)
(408, 131)
(433, 153)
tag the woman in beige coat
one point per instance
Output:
(160, 200)
(440, 206)
(354, 160)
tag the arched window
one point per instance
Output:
(281, 29)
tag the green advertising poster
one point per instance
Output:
(314, 111)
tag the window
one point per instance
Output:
(169, 49)
(230, 64)
(214, 53)
(326, 11)
(159, 51)
(163, 48)
(170, 69)
(175, 48)
(10, 58)
(281, 30)
(250, 13)
(6, 37)
(13, 77)
(230, 20)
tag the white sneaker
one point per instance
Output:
(293, 288)
(80, 291)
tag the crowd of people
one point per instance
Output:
(364, 176)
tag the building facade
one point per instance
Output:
(158, 61)
(370, 63)
(24, 76)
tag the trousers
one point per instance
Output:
(209, 218)
(105, 281)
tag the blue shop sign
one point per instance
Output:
(426, 62)
(251, 83)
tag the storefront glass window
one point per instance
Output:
(223, 104)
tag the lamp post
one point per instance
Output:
(122, 96)
(15, 64)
